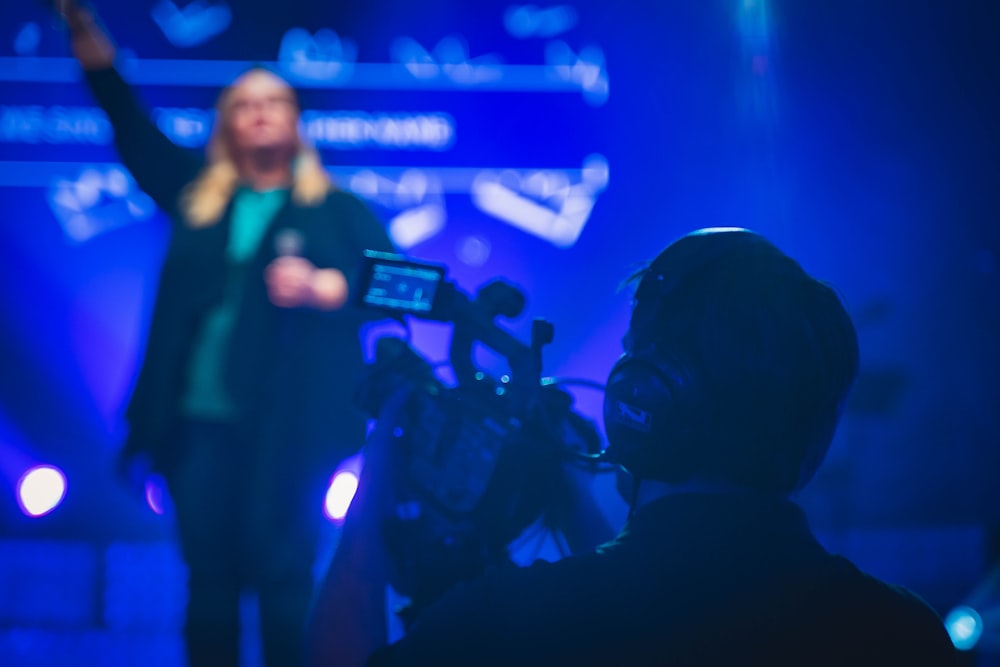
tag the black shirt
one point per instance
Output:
(691, 580)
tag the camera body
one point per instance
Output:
(482, 459)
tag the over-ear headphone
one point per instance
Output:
(654, 401)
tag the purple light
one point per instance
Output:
(340, 494)
(154, 495)
(473, 250)
(40, 490)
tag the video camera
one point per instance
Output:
(483, 458)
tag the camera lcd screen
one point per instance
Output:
(401, 285)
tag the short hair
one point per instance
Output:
(771, 350)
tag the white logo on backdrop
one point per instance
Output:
(525, 21)
(450, 59)
(98, 200)
(195, 24)
(323, 56)
(545, 203)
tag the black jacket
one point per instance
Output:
(291, 372)
(693, 580)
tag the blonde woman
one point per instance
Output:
(244, 398)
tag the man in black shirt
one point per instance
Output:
(737, 364)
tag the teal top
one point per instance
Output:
(206, 397)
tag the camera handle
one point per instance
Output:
(474, 321)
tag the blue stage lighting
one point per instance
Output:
(965, 627)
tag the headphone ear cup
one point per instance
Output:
(642, 414)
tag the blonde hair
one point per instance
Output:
(205, 199)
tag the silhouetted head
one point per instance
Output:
(737, 365)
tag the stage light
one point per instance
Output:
(40, 490)
(154, 495)
(965, 627)
(340, 494)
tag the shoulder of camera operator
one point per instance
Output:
(466, 625)
(161, 168)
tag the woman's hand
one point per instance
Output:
(91, 45)
(294, 282)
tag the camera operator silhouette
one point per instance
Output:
(736, 368)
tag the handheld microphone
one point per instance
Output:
(289, 243)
